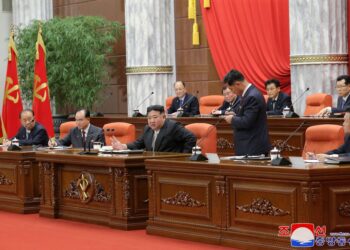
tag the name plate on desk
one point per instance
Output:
(126, 151)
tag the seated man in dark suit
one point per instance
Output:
(343, 150)
(187, 102)
(250, 122)
(230, 105)
(83, 134)
(277, 100)
(161, 135)
(343, 89)
(31, 132)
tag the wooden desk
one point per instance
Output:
(242, 205)
(279, 130)
(19, 181)
(109, 190)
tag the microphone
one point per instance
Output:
(201, 157)
(281, 161)
(136, 111)
(292, 114)
(180, 110)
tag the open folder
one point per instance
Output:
(337, 160)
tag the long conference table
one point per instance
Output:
(246, 204)
(279, 130)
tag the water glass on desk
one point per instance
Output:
(286, 110)
(97, 145)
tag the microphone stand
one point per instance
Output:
(281, 161)
(136, 111)
(292, 114)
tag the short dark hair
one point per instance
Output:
(233, 76)
(344, 77)
(158, 108)
(86, 112)
(273, 81)
(183, 83)
(26, 110)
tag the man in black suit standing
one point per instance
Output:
(187, 102)
(161, 135)
(250, 123)
(31, 132)
(230, 105)
(277, 100)
(343, 103)
(83, 134)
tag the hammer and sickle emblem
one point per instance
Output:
(9, 90)
(42, 86)
(83, 185)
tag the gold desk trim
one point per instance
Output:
(320, 59)
(139, 70)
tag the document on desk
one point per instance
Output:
(245, 157)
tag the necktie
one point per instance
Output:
(273, 104)
(27, 135)
(155, 134)
(181, 103)
(84, 137)
(342, 103)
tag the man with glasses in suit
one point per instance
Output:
(31, 132)
(343, 103)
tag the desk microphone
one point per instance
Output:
(201, 157)
(136, 111)
(180, 110)
(281, 161)
(292, 114)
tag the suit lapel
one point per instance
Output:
(160, 136)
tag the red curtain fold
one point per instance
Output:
(349, 35)
(251, 36)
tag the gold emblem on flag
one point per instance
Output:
(40, 86)
(9, 91)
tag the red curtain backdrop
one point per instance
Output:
(251, 36)
(349, 35)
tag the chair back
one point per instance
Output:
(322, 138)
(168, 102)
(316, 102)
(206, 136)
(65, 127)
(210, 102)
(124, 132)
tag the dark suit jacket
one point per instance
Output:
(250, 125)
(75, 137)
(37, 136)
(283, 100)
(343, 149)
(191, 107)
(340, 108)
(230, 106)
(172, 137)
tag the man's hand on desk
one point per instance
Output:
(116, 144)
(6, 142)
(52, 143)
(324, 112)
(319, 157)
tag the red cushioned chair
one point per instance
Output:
(322, 138)
(65, 127)
(316, 102)
(124, 132)
(210, 102)
(206, 136)
(168, 102)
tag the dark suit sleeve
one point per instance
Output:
(247, 121)
(223, 107)
(193, 107)
(101, 137)
(40, 138)
(172, 108)
(340, 150)
(139, 143)
(67, 140)
(184, 136)
(338, 109)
